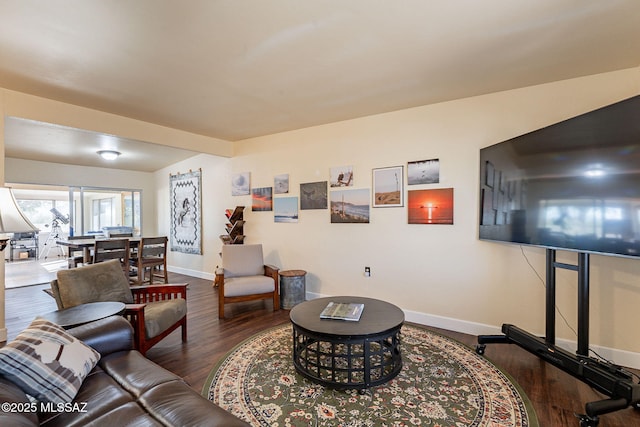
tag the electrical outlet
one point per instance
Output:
(367, 272)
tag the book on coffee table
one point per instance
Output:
(343, 311)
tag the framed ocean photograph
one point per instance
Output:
(388, 187)
(350, 206)
(285, 209)
(423, 172)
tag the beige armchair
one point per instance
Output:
(154, 311)
(245, 277)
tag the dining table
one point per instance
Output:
(85, 245)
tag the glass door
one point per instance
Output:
(104, 211)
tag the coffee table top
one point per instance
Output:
(84, 313)
(378, 316)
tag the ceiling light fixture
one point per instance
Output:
(109, 154)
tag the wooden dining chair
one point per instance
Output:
(77, 256)
(105, 250)
(152, 257)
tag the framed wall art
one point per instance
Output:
(341, 176)
(430, 206)
(313, 195)
(262, 199)
(388, 187)
(350, 206)
(281, 184)
(285, 209)
(240, 184)
(423, 172)
(186, 215)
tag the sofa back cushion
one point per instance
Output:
(104, 281)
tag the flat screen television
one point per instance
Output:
(573, 185)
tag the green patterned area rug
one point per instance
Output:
(442, 383)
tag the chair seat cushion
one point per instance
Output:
(160, 315)
(248, 285)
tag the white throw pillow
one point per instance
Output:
(47, 363)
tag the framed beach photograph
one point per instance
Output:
(350, 206)
(423, 172)
(240, 184)
(285, 209)
(430, 206)
(262, 199)
(388, 187)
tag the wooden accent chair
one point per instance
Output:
(245, 277)
(152, 256)
(154, 311)
(105, 250)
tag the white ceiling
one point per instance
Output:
(242, 68)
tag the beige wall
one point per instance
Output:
(440, 275)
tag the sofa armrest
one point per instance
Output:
(107, 335)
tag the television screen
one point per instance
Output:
(573, 185)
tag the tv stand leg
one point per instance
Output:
(587, 421)
(483, 340)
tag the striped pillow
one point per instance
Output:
(46, 362)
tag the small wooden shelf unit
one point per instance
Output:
(235, 227)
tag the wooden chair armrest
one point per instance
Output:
(270, 270)
(133, 308)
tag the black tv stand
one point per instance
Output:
(607, 378)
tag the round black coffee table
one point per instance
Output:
(84, 313)
(345, 354)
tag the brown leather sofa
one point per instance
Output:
(125, 388)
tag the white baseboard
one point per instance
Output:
(619, 357)
(192, 273)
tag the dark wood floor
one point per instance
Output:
(556, 396)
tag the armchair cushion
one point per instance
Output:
(161, 315)
(248, 285)
(108, 284)
(242, 260)
(47, 363)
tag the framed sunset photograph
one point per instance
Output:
(388, 187)
(262, 199)
(430, 206)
